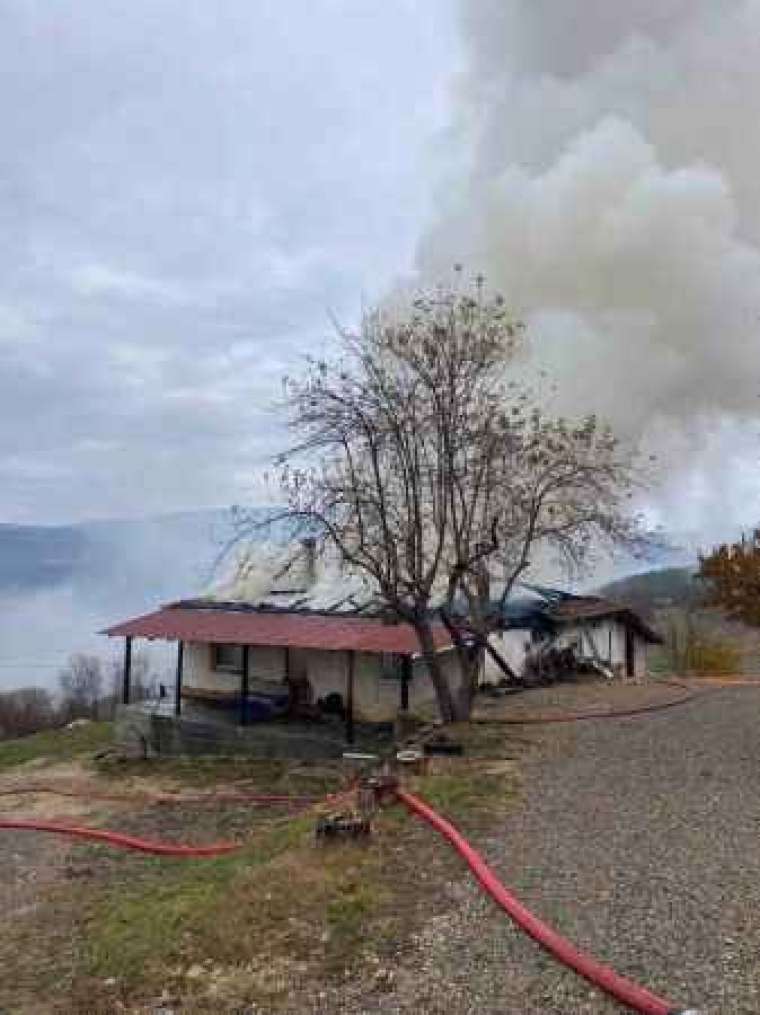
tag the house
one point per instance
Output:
(608, 634)
(254, 661)
(319, 645)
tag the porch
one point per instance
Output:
(238, 668)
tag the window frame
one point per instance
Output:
(219, 667)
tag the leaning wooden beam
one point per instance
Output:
(457, 636)
(500, 661)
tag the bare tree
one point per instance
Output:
(427, 467)
(26, 710)
(555, 489)
(144, 681)
(387, 426)
(81, 683)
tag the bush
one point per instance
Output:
(714, 657)
(692, 647)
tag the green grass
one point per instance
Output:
(55, 745)
(348, 913)
(280, 919)
(458, 796)
(179, 912)
(283, 899)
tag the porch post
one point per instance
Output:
(292, 702)
(178, 679)
(406, 672)
(244, 689)
(127, 669)
(350, 697)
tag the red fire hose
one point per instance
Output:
(620, 713)
(167, 798)
(118, 839)
(148, 845)
(637, 998)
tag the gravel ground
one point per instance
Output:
(639, 840)
(579, 696)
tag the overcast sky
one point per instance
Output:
(187, 189)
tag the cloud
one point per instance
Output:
(605, 181)
(185, 193)
(98, 279)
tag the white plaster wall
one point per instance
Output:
(640, 657)
(198, 671)
(605, 638)
(510, 645)
(376, 699)
(266, 667)
(606, 635)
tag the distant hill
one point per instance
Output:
(33, 556)
(171, 554)
(60, 585)
(652, 591)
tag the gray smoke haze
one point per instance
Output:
(606, 181)
(60, 586)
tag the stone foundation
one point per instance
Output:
(143, 733)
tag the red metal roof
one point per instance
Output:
(296, 630)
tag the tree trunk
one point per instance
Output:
(469, 670)
(437, 676)
(469, 658)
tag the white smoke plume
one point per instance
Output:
(606, 180)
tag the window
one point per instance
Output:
(227, 657)
(391, 666)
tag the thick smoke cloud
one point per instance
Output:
(609, 188)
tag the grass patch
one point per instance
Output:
(295, 778)
(56, 745)
(179, 912)
(462, 795)
(285, 917)
(270, 926)
(237, 929)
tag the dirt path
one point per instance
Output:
(640, 840)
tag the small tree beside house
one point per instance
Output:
(81, 684)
